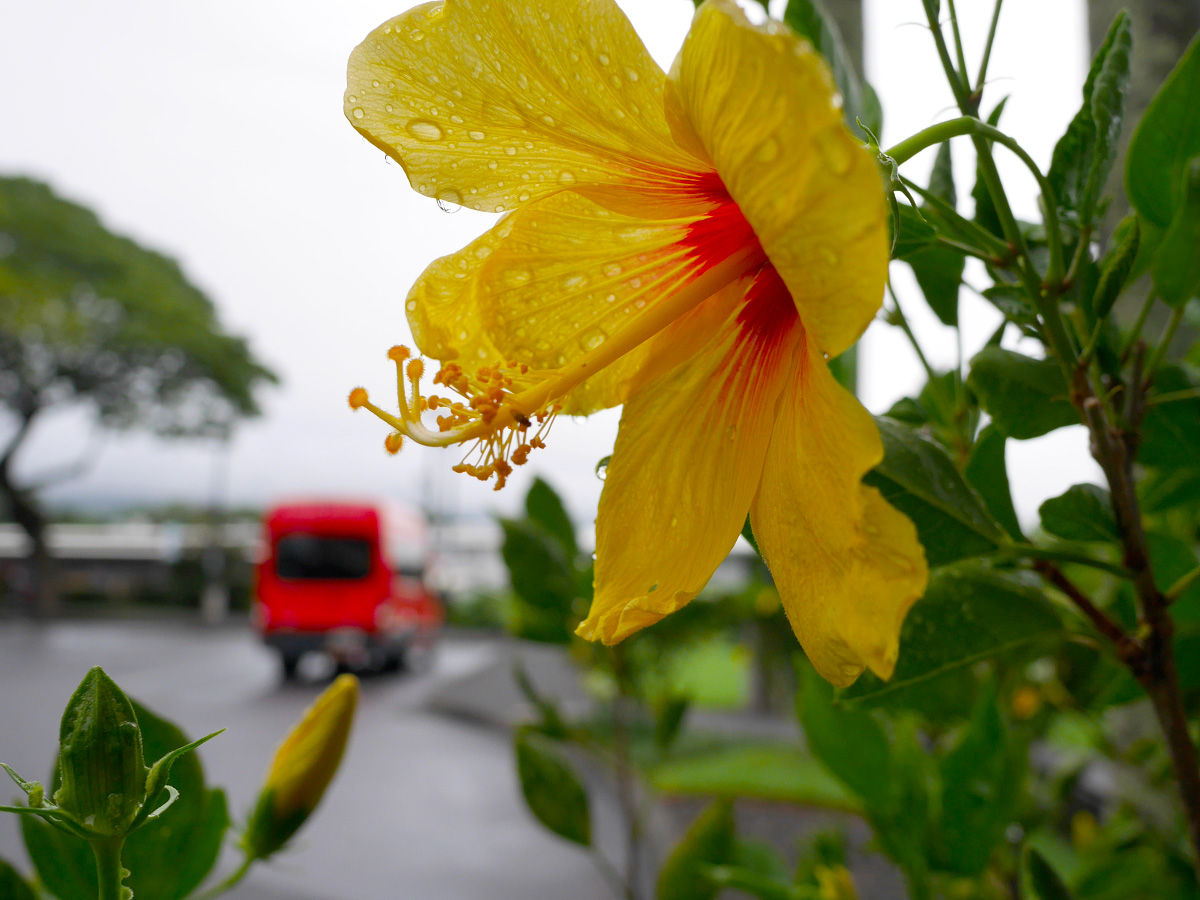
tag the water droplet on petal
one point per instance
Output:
(565, 178)
(448, 206)
(592, 338)
(357, 112)
(417, 34)
(602, 59)
(832, 145)
(612, 270)
(511, 151)
(631, 74)
(425, 130)
(475, 135)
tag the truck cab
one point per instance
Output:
(348, 579)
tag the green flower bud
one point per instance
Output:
(303, 766)
(100, 759)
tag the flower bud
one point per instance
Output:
(100, 760)
(303, 766)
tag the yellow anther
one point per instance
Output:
(358, 398)
(416, 369)
(399, 353)
(393, 442)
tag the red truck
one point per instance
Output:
(349, 579)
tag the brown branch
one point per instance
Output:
(1128, 648)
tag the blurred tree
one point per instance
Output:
(92, 319)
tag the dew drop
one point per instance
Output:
(549, 120)
(511, 151)
(631, 74)
(833, 150)
(424, 130)
(493, 165)
(612, 270)
(448, 206)
(352, 98)
(457, 120)
(592, 338)
(357, 112)
(411, 305)
(523, 197)
(388, 107)
(475, 135)
(602, 59)
(565, 178)
(572, 282)
(417, 34)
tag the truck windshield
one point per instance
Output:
(311, 556)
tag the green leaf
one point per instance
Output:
(939, 271)
(544, 507)
(1025, 397)
(1038, 880)
(1083, 513)
(871, 113)
(1176, 265)
(970, 612)
(1167, 137)
(1084, 155)
(987, 472)
(918, 478)
(981, 779)
(1011, 301)
(709, 842)
(537, 566)
(12, 885)
(809, 19)
(552, 791)
(914, 234)
(778, 772)
(849, 742)
(668, 721)
(985, 209)
(1116, 266)
(1171, 431)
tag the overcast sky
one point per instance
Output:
(214, 132)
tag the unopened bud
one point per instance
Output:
(100, 760)
(302, 769)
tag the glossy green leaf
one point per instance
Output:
(168, 857)
(12, 885)
(1011, 301)
(1116, 266)
(1038, 880)
(1166, 138)
(849, 742)
(981, 779)
(1084, 155)
(1025, 397)
(544, 507)
(1083, 513)
(552, 791)
(709, 842)
(987, 472)
(1176, 266)
(970, 612)
(918, 478)
(939, 271)
(871, 112)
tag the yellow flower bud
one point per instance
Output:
(303, 766)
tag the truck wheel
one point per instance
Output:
(290, 663)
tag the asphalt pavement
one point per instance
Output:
(426, 806)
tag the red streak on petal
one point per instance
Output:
(769, 315)
(724, 231)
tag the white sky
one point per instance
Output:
(214, 132)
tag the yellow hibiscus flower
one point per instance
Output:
(692, 245)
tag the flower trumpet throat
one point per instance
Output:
(302, 769)
(692, 246)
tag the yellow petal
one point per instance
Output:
(763, 104)
(491, 103)
(687, 462)
(848, 566)
(550, 282)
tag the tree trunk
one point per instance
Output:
(23, 507)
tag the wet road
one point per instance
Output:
(425, 807)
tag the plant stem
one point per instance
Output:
(1138, 325)
(958, 46)
(109, 873)
(987, 50)
(967, 229)
(1164, 343)
(234, 879)
(1049, 554)
(1179, 588)
(1127, 647)
(1173, 396)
